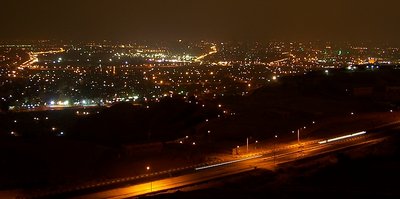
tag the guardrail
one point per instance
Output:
(103, 183)
(108, 182)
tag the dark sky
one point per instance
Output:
(201, 19)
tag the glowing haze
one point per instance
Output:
(201, 19)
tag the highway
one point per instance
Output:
(201, 57)
(33, 57)
(267, 160)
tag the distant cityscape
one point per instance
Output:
(199, 99)
(38, 75)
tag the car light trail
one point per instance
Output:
(342, 137)
(224, 163)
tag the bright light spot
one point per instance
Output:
(349, 67)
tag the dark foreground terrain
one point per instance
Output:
(42, 149)
(367, 172)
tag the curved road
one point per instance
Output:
(268, 161)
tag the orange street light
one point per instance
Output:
(151, 182)
(275, 140)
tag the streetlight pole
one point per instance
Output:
(276, 136)
(247, 145)
(151, 182)
(298, 141)
(298, 136)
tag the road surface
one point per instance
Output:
(268, 160)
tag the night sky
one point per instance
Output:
(262, 20)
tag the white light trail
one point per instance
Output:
(342, 137)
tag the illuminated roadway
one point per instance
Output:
(201, 57)
(33, 57)
(267, 160)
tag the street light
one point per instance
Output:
(276, 136)
(298, 136)
(298, 140)
(247, 145)
(151, 182)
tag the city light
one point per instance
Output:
(223, 99)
